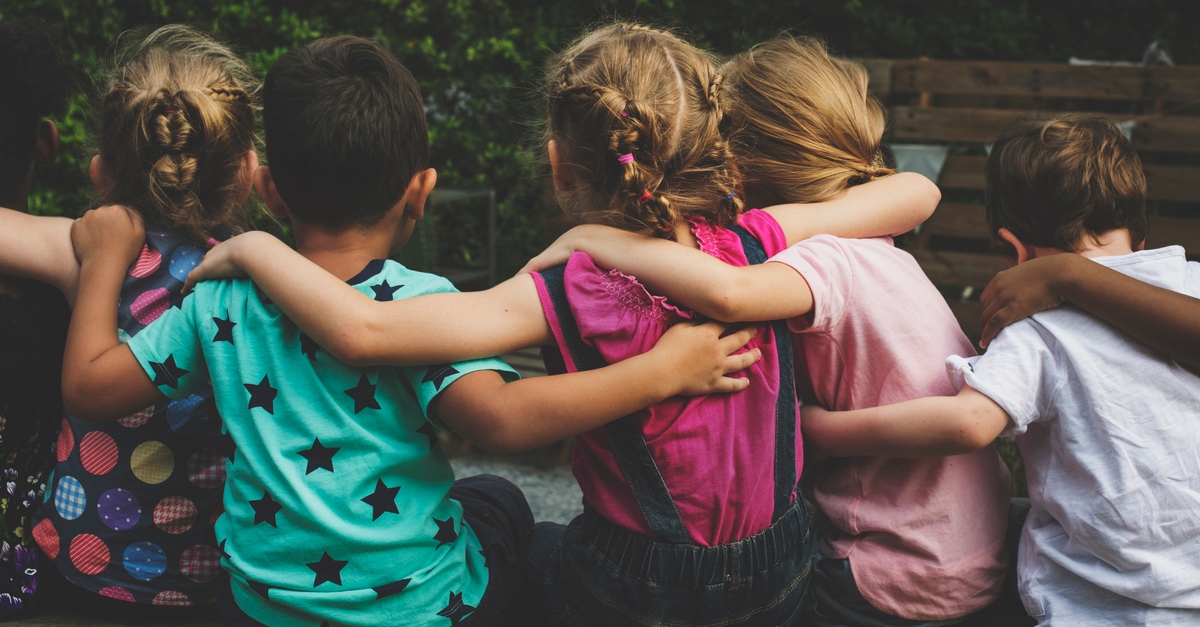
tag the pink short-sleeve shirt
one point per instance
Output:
(925, 537)
(715, 453)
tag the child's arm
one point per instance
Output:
(511, 417)
(886, 206)
(1166, 321)
(925, 427)
(38, 247)
(102, 379)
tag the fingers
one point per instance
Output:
(741, 361)
(728, 385)
(735, 340)
(547, 259)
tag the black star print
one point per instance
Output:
(308, 346)
(363, 394)
(221, 549)
(438, 374)
(262, 395)
(429, 431)
(455, 610)
(487, 561)
(388, 590)
(178, 302)
(261, 588)
(319, 456)
(446, 533)
(229, 446)
(384, 292)
(167, 373)
(327, 569)
(224, 329)
(382, 500)
(265, 509)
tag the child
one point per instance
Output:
(128, 518)
(633, 121)
(339, 506)
(906, 541)
(1107, 427)
(33, 315)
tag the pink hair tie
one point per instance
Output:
(645, 196)
(624, 114)
(625, 158)
(212, 241)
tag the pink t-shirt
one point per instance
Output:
(715, 453)
(925, 537)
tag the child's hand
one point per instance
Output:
(221, 262)
(581, 238)
(1024, 290)
(112, 232)
(700, 358)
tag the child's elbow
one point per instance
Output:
(497, 438)
(80, 402)
(928, 193)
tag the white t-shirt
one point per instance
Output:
(1110, 434)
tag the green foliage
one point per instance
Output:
(478, 62)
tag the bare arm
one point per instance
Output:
(39, 247)
(887, 206)
(102, 380)
(925, 427)
(1166, 321)
(436, 328)
(507, 418)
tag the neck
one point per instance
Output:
(1107, 244)
(343, 253)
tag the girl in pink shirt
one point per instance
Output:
(908, 542)
(690, 514)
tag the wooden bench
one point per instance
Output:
(965, 105)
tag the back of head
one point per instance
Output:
(635, 113)
(36, 83)
(803, 125)
(175, 125)
(345, 130)
(1055, 182)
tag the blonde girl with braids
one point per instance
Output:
(128, 514)
(691, 515)
(909, 542)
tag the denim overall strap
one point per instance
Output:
(785, 403)
(624, 434)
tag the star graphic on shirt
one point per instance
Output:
(437, 375)
(363, 394)
(430, 432)
(319, 456)
(262, 395)
(228, 445)
(261, 588)
(177, 302)
(224, 329)
(221, 550)
(384, 292)
(327, 569)
(382, 500)
(388, 590)
(308, 346)
(167, 372)
(445, 533)
(487, 561)
(455, 609)
(265, 509)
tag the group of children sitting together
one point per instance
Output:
(269, 445)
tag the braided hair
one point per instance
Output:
(637, 111)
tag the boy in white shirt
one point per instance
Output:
(1108, 428)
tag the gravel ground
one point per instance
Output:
(553, 494)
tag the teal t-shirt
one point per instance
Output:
(336, 506)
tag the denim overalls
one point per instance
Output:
(594, 572)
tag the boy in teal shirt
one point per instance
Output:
(339, 507)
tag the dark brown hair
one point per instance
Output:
(803, 125)
(345, 131)
(1054, 182)
(175, 125)
(625, 89)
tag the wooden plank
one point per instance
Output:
(879, 72)
(981, 126)
(1163, 182)
(963, 172)
(1174, 231)
(1047, 80)
(962, 269)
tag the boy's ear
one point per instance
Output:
(560, 170)
(265, 185)
(419, 188)
(1024, 251)
(99, 175)
(47, 143)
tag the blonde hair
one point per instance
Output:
(636, 112)
(803, 125)
(175, 124)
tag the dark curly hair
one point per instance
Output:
(36, 84)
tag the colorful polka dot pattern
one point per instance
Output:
(130, 509)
